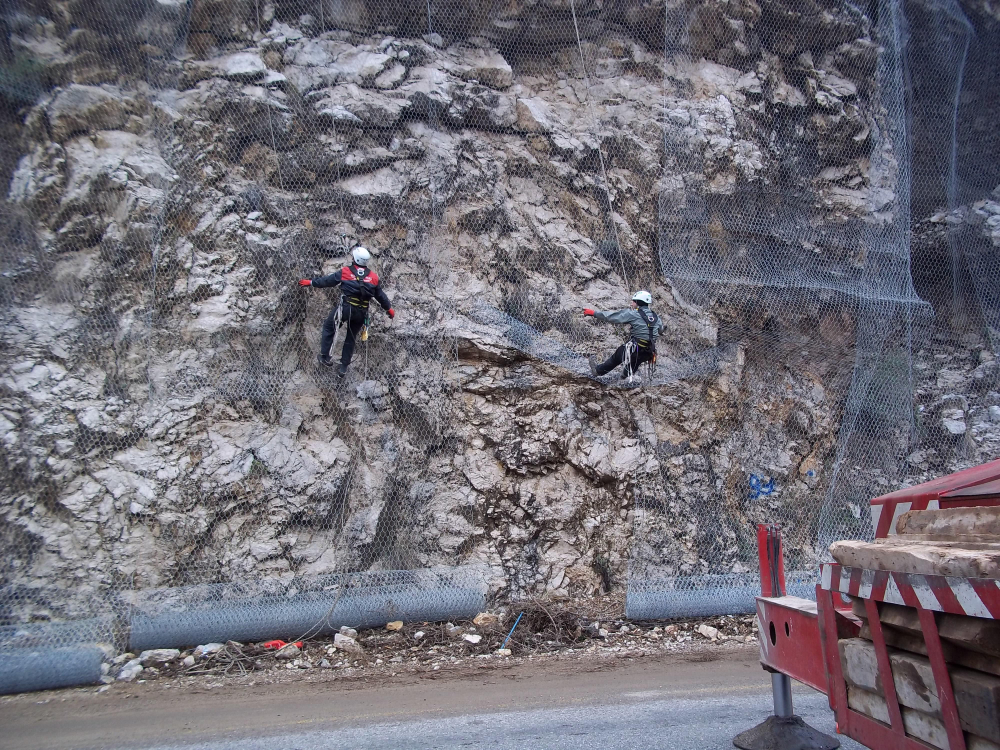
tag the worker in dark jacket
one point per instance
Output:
(358, 285)
(644, 327)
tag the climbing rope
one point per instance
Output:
(600, 153)
(270, 121)
(158, 234)
(365, 339)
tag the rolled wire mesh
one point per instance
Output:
(179, 467)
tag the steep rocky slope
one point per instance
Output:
(164, 420)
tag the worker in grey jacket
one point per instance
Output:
(644, 329)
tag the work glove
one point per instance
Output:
(588, 311)
(392, 313)
(305, 282)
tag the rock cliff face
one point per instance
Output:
(163, 418)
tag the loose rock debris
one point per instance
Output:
(546, 629)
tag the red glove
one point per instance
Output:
(392, 313)
(588, 311)
(305, 282)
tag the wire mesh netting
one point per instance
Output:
(804, 188)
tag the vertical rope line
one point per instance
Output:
(600, 153)
(663, 141)
(182, 34)
(270, 121)
(340, 188)
(434, 122)
(958, 299)
(179, 39)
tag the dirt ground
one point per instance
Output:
(188, 709)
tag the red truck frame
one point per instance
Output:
(798, 637)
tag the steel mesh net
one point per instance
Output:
(806, 189)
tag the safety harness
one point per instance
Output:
(650, 319)
(359, 276)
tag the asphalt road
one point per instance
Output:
(648, 721)
(663, 703)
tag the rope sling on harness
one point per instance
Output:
(630, 350)
(632, 345)
(338, 322)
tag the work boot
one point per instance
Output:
(342, 370)
(326, 361)
(592, 361)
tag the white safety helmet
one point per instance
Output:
(361, 256)
(643, 296)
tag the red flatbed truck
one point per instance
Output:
(798, 637)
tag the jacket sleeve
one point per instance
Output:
(330, 280)
(382, 298)
(618, 317)
(379, 294)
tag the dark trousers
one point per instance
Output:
(640, 354)
(354, 319)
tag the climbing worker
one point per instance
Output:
(358, 285)
(641, 347)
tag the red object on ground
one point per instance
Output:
(276, 644)
(587, 311)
